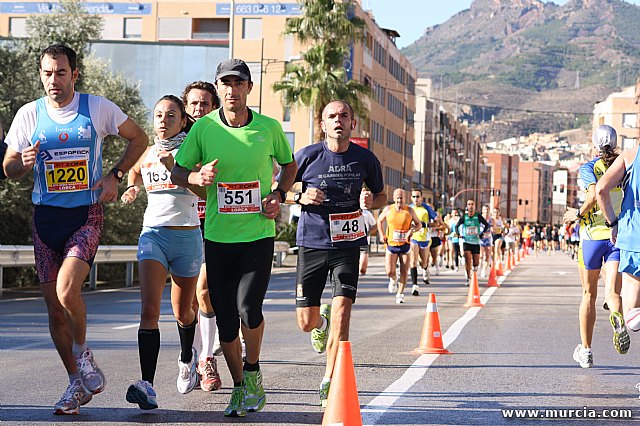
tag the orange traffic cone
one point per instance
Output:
(343, 407)
(431, 339)
(499, 271)
(473, 298)
(516, 259)
(509, 262)
(493, 276)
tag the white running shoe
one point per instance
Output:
(437, 269)
(483, 274)
(399, 298)
(415, 291)
(73, 398)
(92, 377)
(393, 285)
(187, 373)
(583, 356)
(143, 394)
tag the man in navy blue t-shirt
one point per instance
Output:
(331, 229)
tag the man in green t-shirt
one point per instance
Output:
(237, 148)
(473, 225)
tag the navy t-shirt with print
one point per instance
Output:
(340, 176)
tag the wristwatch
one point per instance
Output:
(578, 215)
(612, 224)
(119, 174)
(296, 197)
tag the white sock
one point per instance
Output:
(78, 350)
(207, 331)
(324, 323)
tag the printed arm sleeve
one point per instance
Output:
(587, 174)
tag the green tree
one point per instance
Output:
(71, 25)
(330, 27)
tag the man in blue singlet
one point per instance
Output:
(60, 138)
(625, 172)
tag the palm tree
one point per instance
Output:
(330, 27)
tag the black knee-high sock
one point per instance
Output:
(148, 350)
(414, 276)
(186, 340)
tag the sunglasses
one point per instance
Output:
(415, 196)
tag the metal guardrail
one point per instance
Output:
(22, 256)
(15, 256)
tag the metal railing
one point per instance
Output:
(13, 256)
(22, 256)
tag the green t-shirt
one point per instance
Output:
(245, 156)
(471, 229)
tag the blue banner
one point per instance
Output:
(259, 9)
(94, 8)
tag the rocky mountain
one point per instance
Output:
(517, 57)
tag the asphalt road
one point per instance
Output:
(513, 354)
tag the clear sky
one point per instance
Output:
(411, 17)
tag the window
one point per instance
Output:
(18, 27)
(286, 114)
(628, 143)
(132, 28)
(291, 137)
(252, 28)
(629, 120)
(210, 29)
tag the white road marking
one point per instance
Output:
(372, 412)
(124, 327)
(27, 346)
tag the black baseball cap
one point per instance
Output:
(235, 67)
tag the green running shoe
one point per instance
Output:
(324, 393)
(236, 406)
(621, 339)
(319, 337)
(255, 398)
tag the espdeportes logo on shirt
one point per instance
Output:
(66, 154)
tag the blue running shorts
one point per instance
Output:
(629, 262)
(403, 249)
(486, 242)
(422, 244)
(179, 251)
(596, 252)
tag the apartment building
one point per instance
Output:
(535, 189)
(620, 111)
(503, 189)
(446, 154)
(150, 40)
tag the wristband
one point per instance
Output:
(131, 186)
(612, 224)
